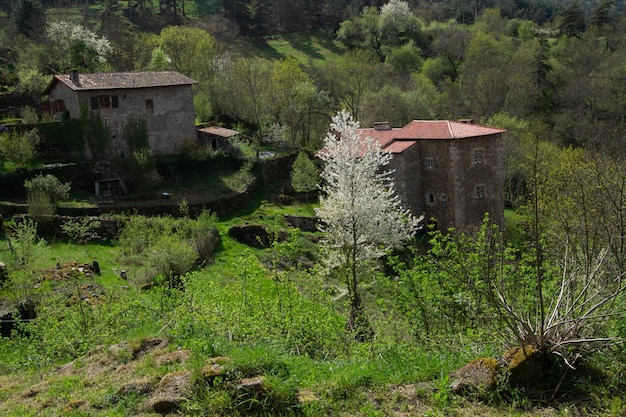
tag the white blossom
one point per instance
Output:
(359, 209)
(63, 33)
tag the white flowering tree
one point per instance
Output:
(361, 214)
(73, 42)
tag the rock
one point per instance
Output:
(251, 234)
(177, 356)
(308, 224)
(211, 372)
(173, 389)
(140, 386)
(25, 310)
(526, 366)
(253, 387)
(477, 378)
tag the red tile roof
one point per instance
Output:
(397, 140)
(121, 80)
(444, 129)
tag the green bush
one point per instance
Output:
(62, 137)
(49, 185)
(81, 230)
(172, 258)
(40, 207)
(29, 116)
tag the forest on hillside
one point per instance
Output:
(558, 67)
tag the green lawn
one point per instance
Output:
(306, 48)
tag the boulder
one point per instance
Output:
(140, 386)
(308, 224)
(173, 389)
(24, 311)
(253, 235)
(526, 366)
(477, 378)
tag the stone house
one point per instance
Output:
(163, 99)
(448, 170)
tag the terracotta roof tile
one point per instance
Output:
(444, 129)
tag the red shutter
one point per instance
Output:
(94, 103)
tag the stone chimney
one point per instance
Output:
(74, 76)
(382, 126)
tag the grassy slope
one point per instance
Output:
(371, 380)
(306, 48)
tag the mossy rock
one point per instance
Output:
(478, 378)
(526, 367)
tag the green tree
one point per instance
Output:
(451, 43)
(191, 51)
(159, 61)
(304, 174)
(292, 93)
(136, 134)
(248, 81)
(572, 21)
(349, 78)
(29, 18)
(359, 210)
(405, 59)
(83, 57)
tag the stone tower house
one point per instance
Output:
(451, 171)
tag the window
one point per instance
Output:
(480, 191)
(104, 102)
(444, 198)
(430, 199)
(430, 164)
(478, 156)
(149, 105)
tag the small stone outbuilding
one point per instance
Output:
(164, 99)
(216, 137)
(448, 170)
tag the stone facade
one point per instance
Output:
(164, 99)
(450, 171)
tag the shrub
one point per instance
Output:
(206, 237)
(29, 115)
(81, 230)
(40, 206)
(50, 185)
(173, 258)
